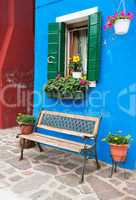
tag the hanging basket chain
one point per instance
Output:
(123, 4)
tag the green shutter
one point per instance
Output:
(56, 49)
(94, 43)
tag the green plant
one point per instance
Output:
(25, 119)
(117, 139)
(66, 86)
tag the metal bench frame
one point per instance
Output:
(85, 136)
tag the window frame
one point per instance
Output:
(67, 45)
(71, 18)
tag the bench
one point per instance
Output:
(67, 132)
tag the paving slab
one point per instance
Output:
(22, 165)
(30, 184)
(55, 175)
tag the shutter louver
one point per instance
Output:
(56, 49)
(94, 43)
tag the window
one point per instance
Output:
(74, 35)
(77, 44)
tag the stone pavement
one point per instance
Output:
(54, 175)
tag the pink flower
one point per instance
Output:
(109, 24)
(109, 17)
(82, 82)
(130, 15)
(122, 13)
(116, 14)
(113, 18)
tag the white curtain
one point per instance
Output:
(83, 49)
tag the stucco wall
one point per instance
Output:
(115, 94)
(16, 59)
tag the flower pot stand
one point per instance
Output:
(114, 168)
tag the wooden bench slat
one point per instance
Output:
(56, 142)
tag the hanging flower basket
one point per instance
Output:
(120, 21)
(121, 26)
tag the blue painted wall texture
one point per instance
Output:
(115, 94)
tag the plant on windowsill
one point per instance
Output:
(120, 21)
(26, 123)
(66, 88)
(118, 146)
(75, 66)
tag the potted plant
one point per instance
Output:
(118, 146)
(26, 123)
(120, 21)
(75, 66)
(66, 88)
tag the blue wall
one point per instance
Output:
(116, 88)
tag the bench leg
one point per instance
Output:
(40, 148)
(22, 149)
(96, 157)
(84, 164)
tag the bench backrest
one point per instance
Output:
(83, 126)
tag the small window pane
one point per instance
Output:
(78, 45)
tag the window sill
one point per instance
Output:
(92, 84)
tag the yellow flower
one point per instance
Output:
(115, 138)
(84, 77)
(76, 59)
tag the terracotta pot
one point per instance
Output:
(119, 152)
(28, 144)
(26, 129)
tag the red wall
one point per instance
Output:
(16, 59)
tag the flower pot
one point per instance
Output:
(118, 152)
(77, 74)
(28, 144)
(78, 95)
(121, 26)
(26, 129)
